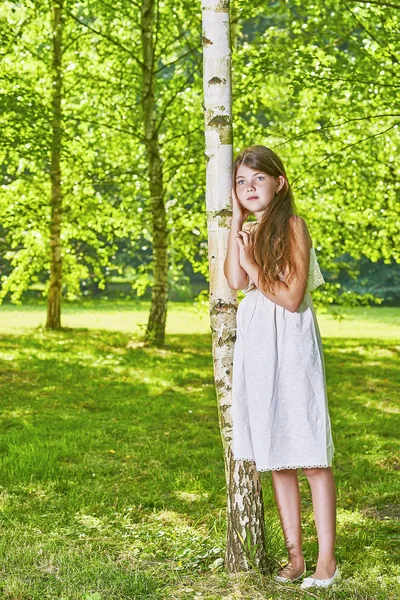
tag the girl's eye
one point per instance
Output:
(261, 177)
(240, 181)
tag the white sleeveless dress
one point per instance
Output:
(279, 401)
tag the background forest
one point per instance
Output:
(316, 81)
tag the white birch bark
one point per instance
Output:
(245, 514)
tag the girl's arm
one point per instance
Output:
(235, 274)
(290, 293)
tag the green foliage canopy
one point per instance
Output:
(315, 81)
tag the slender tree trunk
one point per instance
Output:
(54, 295)
(246, 544)
(155, 331)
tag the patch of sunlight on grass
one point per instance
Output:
(89, 521)
(131, 317)
(383, 406)
(17, 413)
(169, 517)
(191, 496)
(349, 517)
(377, 352)
(361, 322)
(4, 496)
(186, 318)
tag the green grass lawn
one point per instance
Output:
(112, 476)
(131, 317)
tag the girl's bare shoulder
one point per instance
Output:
(299, 229)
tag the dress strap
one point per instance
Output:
(315, 277)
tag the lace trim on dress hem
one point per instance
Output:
(325, 466)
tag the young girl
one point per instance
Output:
(280, 412)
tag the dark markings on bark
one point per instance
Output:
(206, 41)
(216, 80)
(219, 383)
(218, 306)
(223, 6)
(223, 124)
(220, 121)
(237, 553)
(224, 212)
(227, 338)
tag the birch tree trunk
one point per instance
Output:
(155, 331)
(55, 287)
(245, 544)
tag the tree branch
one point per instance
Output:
(345, 149)
(173, 167)
(106, 125)
(186, 133)
(174, 96)
(385, 4)
(135, 4)
(17, 35)
(177, 59)
(82, 34)
(352, 80)
(108, 84)
(301, 135)
(117, 9)
(371, 35)
(181, 34)
(107, 37)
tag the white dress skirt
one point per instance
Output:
(279, 400)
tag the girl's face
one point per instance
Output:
(255, 189)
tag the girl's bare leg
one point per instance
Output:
(323, 493)
(287, 496)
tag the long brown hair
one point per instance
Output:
(274, 246)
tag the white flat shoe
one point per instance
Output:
(281, 579)
(310, 582)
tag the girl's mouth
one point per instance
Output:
(253, 198)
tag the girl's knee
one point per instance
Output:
(284, 473)
(315, 472)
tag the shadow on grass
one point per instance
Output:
(91, 425)
(150, 400)
(141, 423)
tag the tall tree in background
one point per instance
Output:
(154, 63)
(99, 186)
(55, 287)
(155, 331)
(314, 82)
(246, 543)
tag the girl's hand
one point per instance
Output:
(246, 252)
(239, 212)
